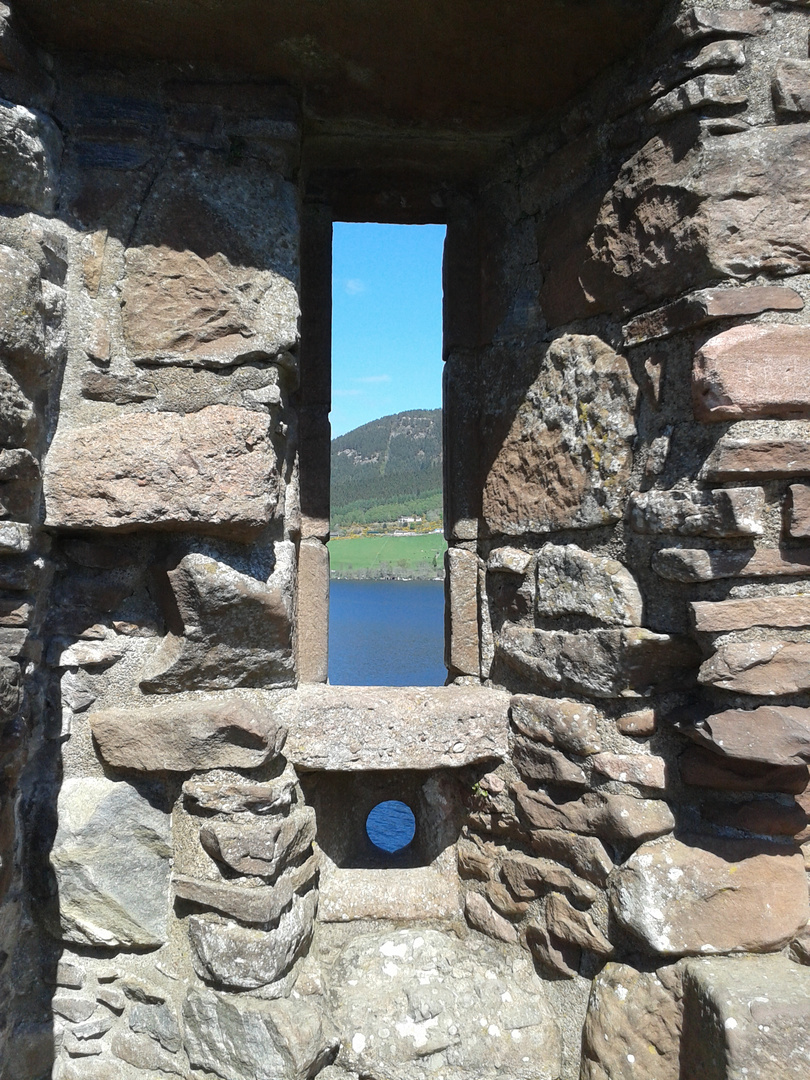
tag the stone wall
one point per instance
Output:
(614, 783)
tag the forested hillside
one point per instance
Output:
(388, 469)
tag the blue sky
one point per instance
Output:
(386, 321)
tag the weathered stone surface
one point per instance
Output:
(546, 474)
(111, 860)
(703, 768)
(73, 1008)
(144, 1053)
(184, 736)
(799, 507)
(694, 564)
(584, 854)
(353, 727)
(416, 894)
(239, 1041)
(555, 955)
(313, 611)
(738, 458)
(30, 154)
(529, 878)
(226, 795)
(688, 208)
(509, 560)
(262, 847)
(237, 958)
(213, 471)
(753, 371)
(549, 766)
(463, 650)
(211, 274)
(728, 512)
(118, 389)
(571, 581)
(568, 725)
(632, 1028)
(701, 22)
(158, 1022)
(22, 332)
(482, 917)
(771, 734)
(602, 663)
(702, 92)
(641, 769)
(504, 902)
(576, 927)
(236, 630)
(759, 667)
(476, 857)
(431, 994)
(791, 87)
(618, 818)
(706, 894)
(699, 308)
(715, 617)
(15, 538)
(745, 1018)
(257, 905)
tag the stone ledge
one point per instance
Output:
(417, 893)
(349, 728)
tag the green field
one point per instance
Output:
(420, 556)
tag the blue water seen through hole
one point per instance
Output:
(391, 825)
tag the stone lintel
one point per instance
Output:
(350, 728)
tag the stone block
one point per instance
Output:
(463, 647)
(418, 894)
(431, 992)
(699, 894)
(213, 471)
(771, 735)
(537, 762)
(798, 505)
(759, 667)
(723, 513)
(528, 878)
(714, 617)
(791, 87)
(571, 581)
(259, 905)
(569, 725)
(111, 861)
(753, 371)
(611, 663)
(633, 1025)
(313, 611)
(567, 923)
(22, 326)
(703, 768)
(186, 736)
(746, 1018)
(639, 724)
(615, 818)
(705, 91)
(701, 22)
(707, 305)
(584, 854)
(145, 1054)
(642, 770)
(239, 958)
(234, 629)
(690, 565)
(211, 275)
(227, 795)
(545, 475)
(30, 156)
(764, 817)
(484, 918)
(735, 458)
(262, 846)
(349, 728)
(509, 560)
(238, 1040)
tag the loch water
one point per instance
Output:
(386, 633)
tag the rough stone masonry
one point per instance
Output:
(609, 876)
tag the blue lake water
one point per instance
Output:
(386, 633)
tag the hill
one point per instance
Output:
(388, 469)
